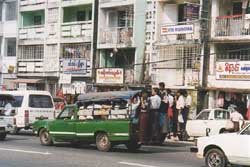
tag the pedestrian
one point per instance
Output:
(180, 104)
(143, 121)
(188, 104)
(8, 108)
(170, 105)
(155, 102)
(175, 117)
(163, 117)
(236, 117)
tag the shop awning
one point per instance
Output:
(31, 81)
(231, 90)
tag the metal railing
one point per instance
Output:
(234, 25)
(116, 35)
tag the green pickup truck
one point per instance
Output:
(99, 118)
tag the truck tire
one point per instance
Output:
(102, 142)
(2, 136)
(215, 158)
(133, 146)
(45, 138)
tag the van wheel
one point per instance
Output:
(2, 136)
(102, 142)
(45, 138)
(215, 158)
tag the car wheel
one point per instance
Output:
(45, 138)
(133, 146)
(215, 158)
(2, 136)
(102, 142)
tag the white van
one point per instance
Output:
(30, 106)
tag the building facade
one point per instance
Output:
(8, 34)
(229, 76)
(120, 44)
(55, 40)
(173, 44)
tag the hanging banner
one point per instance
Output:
(177, 29)
(233, 70)
(110, 76)
(76, 66)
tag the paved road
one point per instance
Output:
(26, 151)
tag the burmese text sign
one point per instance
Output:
(110, 76)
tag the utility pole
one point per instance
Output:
(205, 36)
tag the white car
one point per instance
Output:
(208, 122)
(221, 150)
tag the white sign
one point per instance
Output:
(110, 76)
(74, 88)
(22, 86)
(178, 29)
(65, 79)
(233, 70)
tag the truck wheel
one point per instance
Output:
(215, 158)
(45, 138)
(2, 136)
(133, 146)
(102, 142)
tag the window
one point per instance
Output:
(66, 113)
(40, 101)
(18, 101)
(204, 115)
(11, 12)
(76, 51)
(246, 131)
(37, 20)
(31, 52)
(237, 8)
(1, 10)
(81, 16)
(125, 17)
(221, 114)
(11, 47)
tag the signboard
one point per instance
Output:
(110, 76)
(75, 66)
(65, 79)
(74, 88)
(177, 29)
(191, 11)
(233, 70)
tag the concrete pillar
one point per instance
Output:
(214, 14)
(212, 99)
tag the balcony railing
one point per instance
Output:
(179, 32)
(34, 32)
(30, 66)
(77, 29)
(122, 36)
(235, 25)
(31, 2)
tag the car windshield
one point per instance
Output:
(246, 131)
(203, 115)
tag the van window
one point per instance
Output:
(40, 101)
(18, 101)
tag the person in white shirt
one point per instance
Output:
(170, 101)
(236, 117)
(8, 108)
(188, 104)
(180, 104)
(155, 102)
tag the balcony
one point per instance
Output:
(27, 67)
(77, 31)
(119, 37)
(234, 27)
(32, 33)
(75, 2)
(113, 3)
(179, 33)
(26, 5)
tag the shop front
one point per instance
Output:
(230, 85)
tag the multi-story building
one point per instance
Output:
(121, 35)
(8, 17)
(54, 37)
(173, 43)
(229, 71)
